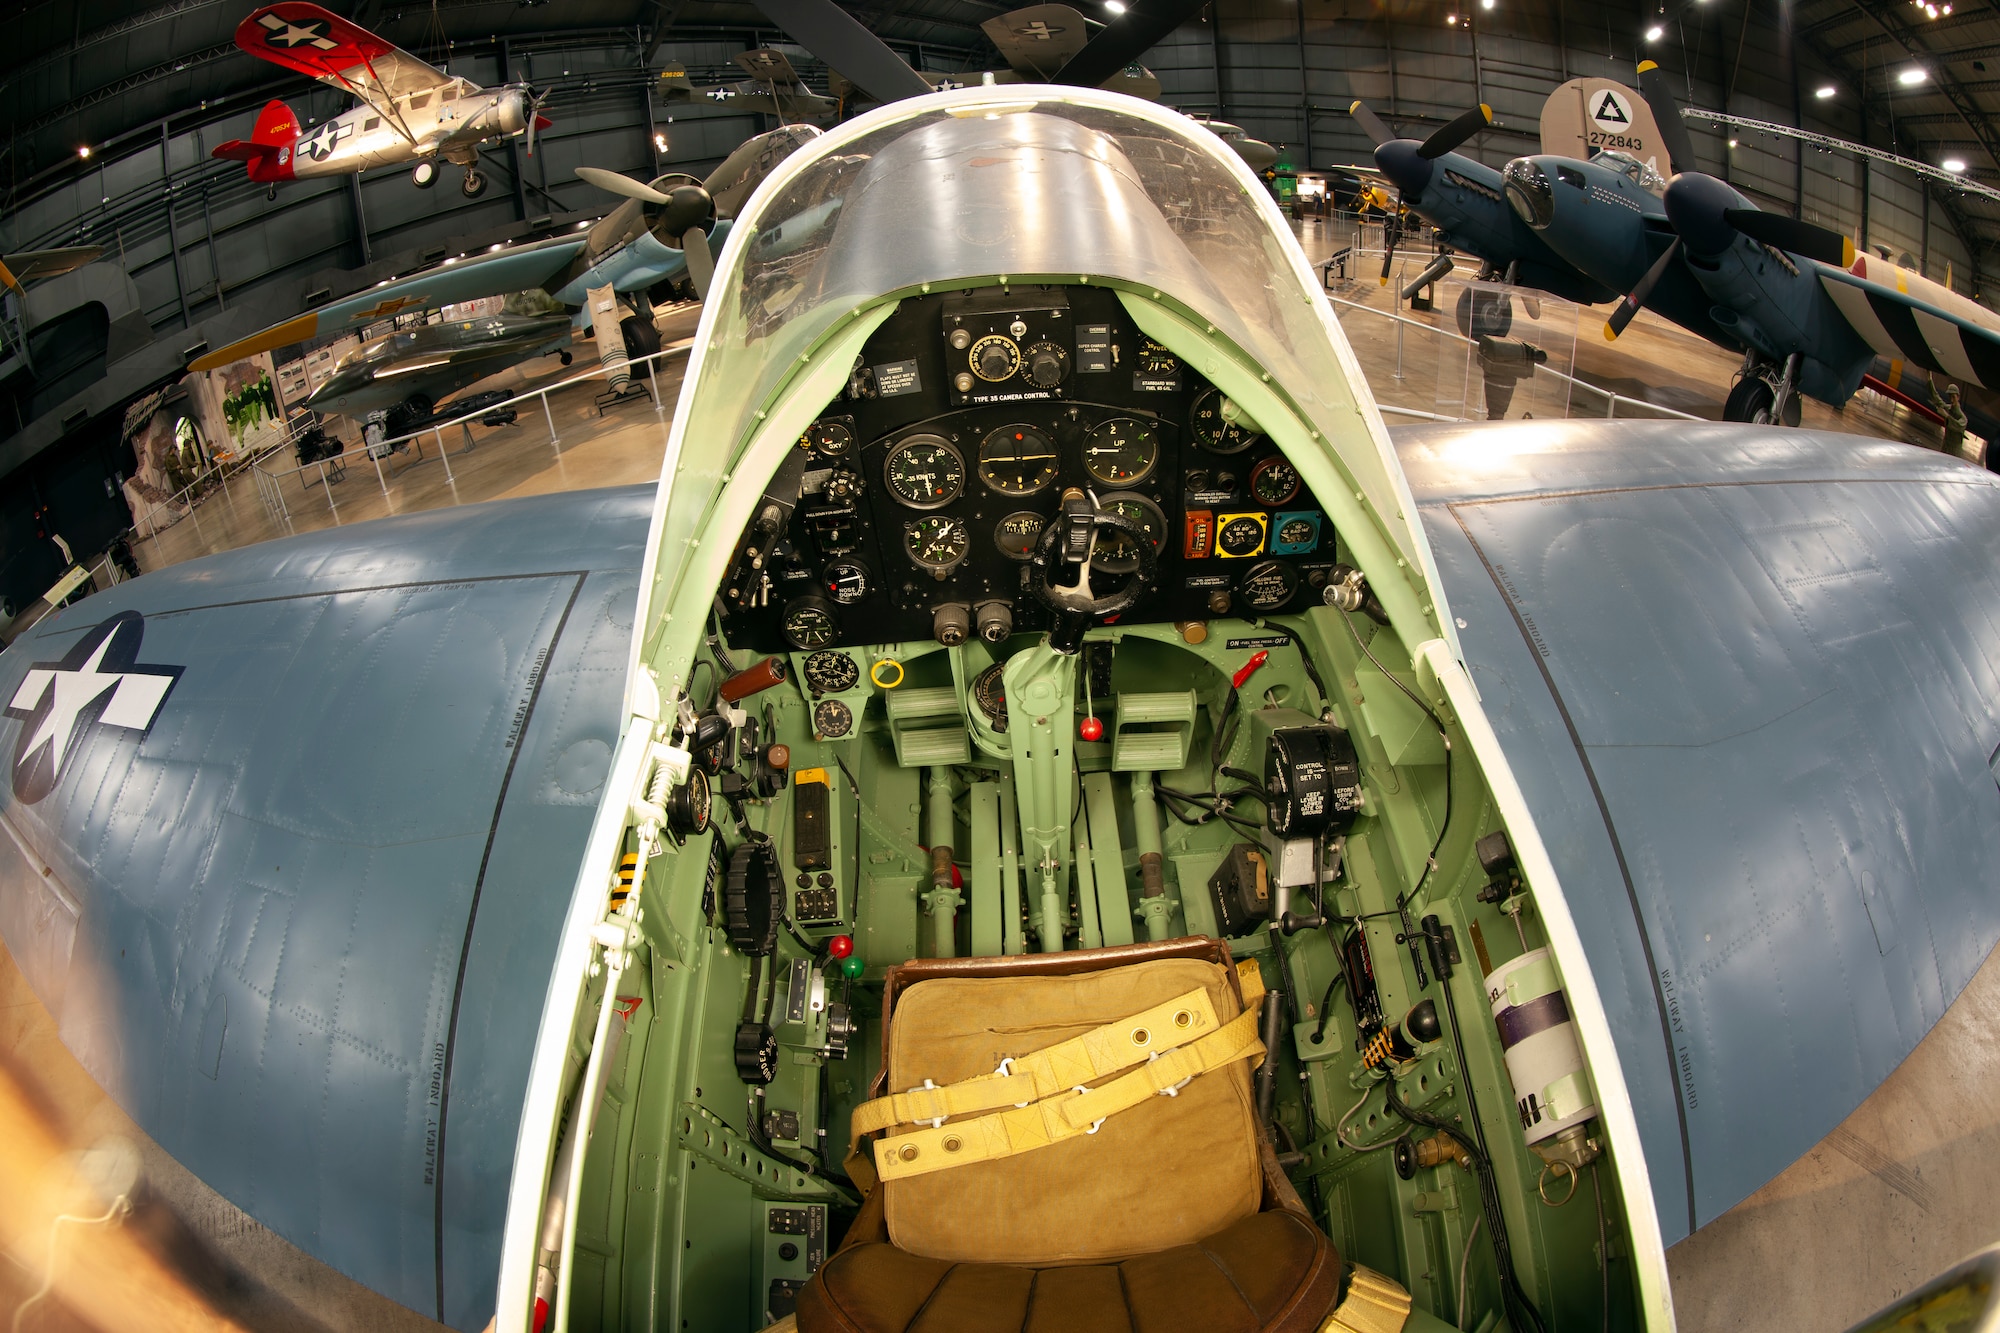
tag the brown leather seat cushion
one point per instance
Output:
(1272, 1272)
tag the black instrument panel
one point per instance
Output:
(912, 506)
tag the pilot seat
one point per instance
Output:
(1073, 1144)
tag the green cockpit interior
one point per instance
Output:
(1036, 642)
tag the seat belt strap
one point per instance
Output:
(1067, 1114)
(1067, 1064)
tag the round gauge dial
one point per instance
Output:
(924, 472)
(1156, 360)
(690, 804)
(835, 439)
(809, 623)
(833, 719)
(995, 357)
(1213, 430)
(936, 543)
(1240, 534)
(1121, 452)
(1114, 553)
(1274, 482)
(1268, 585)
(989, 692)
(845, 581)
(1047, 365)
(830, 673)
(1017, 460)
(1017, 534)
(1298, 534)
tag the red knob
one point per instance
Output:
(840, 946)
(1090, 729)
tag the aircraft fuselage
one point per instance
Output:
(449, 122)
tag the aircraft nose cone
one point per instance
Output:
(1399, 161)
(1695, 203)
(1529, 193)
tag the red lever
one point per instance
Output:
(1249, 668)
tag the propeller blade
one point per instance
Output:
(1666, 110)
(1629, 307)
(1456, 133)
(1126, 38)
(1392, 227)
(1371, 124)
(1793, 234)
(617, 183)
(837, 38)
(700, 262)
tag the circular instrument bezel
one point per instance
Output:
(799, 605)
(1001, 340)
(1263, 569)
(1004, 434)
(1265, 468)
(1041, 521)
(1211, 431)
(827, 577)
(924, 440)
(835, 712)
(830, 439)
(831, 672)
(1117, 564)
(1150, 437)
(911, 537)
(1222, 527)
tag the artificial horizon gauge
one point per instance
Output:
(1239, 535)
(830, 672)
(1274, 482)
(1268, 585)
(808, 623)
(1213, 430)
(995, 357)
(1016, 534)
(924, 472)
(845, 581)
(1114, 553)
(1121, 451)
(835, 439)
(1018, 459)
(832, 719)
(936, 543)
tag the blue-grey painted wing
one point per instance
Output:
(1748, 681)
(312, 812)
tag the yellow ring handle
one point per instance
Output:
(875, 673)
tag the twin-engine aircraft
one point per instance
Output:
(1592, 216)
(410, 111)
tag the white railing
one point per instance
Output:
(270, 483)
(1612, 400)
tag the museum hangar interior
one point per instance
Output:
(1264, 664)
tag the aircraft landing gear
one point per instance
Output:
(1765, 394)
(475, 184)
(424, 174)
(271, 194)
(565, 357)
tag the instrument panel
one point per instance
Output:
(912, 507)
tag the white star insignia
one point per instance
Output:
(288, 34)
(53, 696)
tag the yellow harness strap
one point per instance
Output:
(1066, 1114)
(1067, 1064)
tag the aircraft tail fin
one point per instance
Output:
(675, 86)
(268, 150)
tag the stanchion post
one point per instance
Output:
(554, 442)
(446, 458)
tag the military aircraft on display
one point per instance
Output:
(1038, 691)
(1809, 313)
(773, 88)
(663, 233)
(400, 377)
(410, 111)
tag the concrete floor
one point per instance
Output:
(1904, 1188)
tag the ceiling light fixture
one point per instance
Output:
(1654, 33)
(1732, 143)
(84, 152)
(1953, 164)
(1115, 6)
(1912, 76)
(1824, 92)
